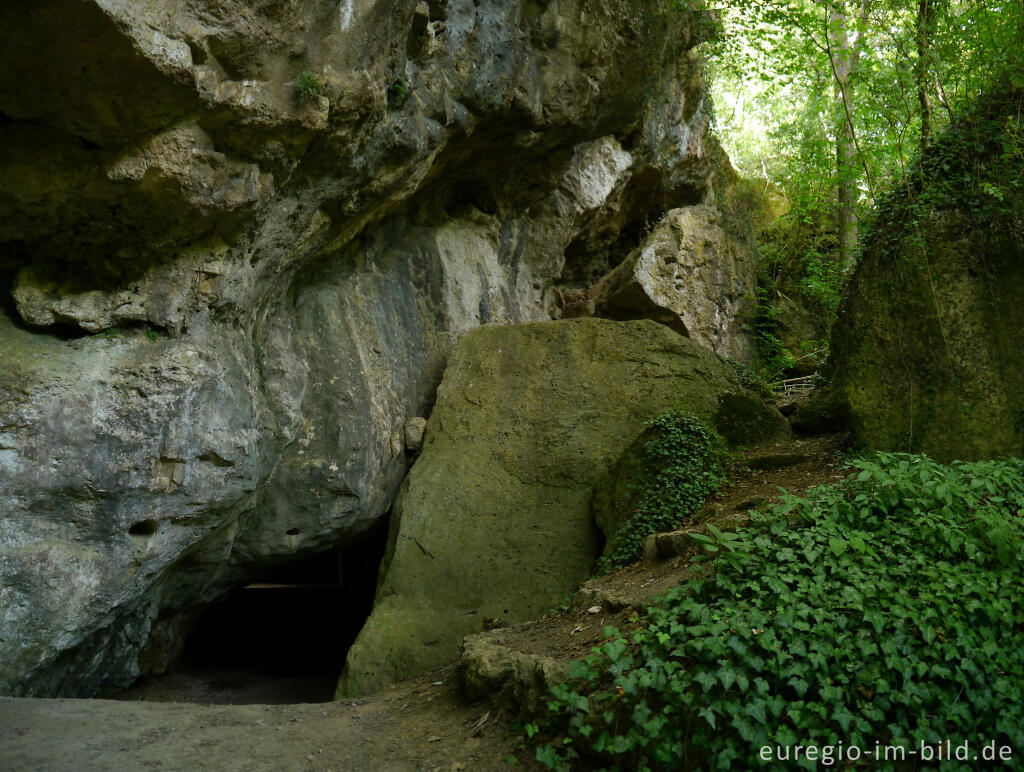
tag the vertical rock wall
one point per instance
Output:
(927, 351)
(222, 298)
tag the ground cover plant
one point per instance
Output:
(680, 465)
(881, 611)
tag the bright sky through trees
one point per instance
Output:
(912, 65)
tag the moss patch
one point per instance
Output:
(741, 419)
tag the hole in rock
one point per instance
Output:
(280, 639)
(144, 528)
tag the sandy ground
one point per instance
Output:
(418, 724)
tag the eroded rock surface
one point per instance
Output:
(691, 273)
(494, 523)
(223, 298)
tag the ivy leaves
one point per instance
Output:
(885, 608)
(682, 467)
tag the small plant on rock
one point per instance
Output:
(309, 88)
(398, 93)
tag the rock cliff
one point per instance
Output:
(690, 274)
(927, 352)
(237, 242)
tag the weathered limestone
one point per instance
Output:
(494, 520)
(258, 290)
(691, 274)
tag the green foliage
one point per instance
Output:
(309, 88)
(398, 93)
(785, 121)
(974, 169)
(681, 467)
(885, 608)
(717, 544)
(113, 333)
(798, 259)
(772, 80)
(750, 380)
(775, 359)
(798, 252)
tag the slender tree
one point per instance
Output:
(844, 55)
(923, 28)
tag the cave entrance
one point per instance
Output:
(280, 639)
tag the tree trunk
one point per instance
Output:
(843, 60)
(923, 28)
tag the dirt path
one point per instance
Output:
(418, 724)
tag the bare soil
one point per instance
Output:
(418, 724)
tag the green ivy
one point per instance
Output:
(681, 467)
(973, 169)
(882, 609)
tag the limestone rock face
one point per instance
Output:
(494, 521)
(690, 273)
(927, 352)
(222, 299)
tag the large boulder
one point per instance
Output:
(494, 523)
(928, 349)
(692, 273)
(223, 297)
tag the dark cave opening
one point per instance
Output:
(280, 639)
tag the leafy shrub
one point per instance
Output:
(882, 609)
(309, 87)
(772, 354)
(797, 262)
(750, 380)
(681, 465)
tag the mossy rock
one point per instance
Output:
(823, 413)
(743, 420)
(927, 353)
(494, 520)
(661, 480)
